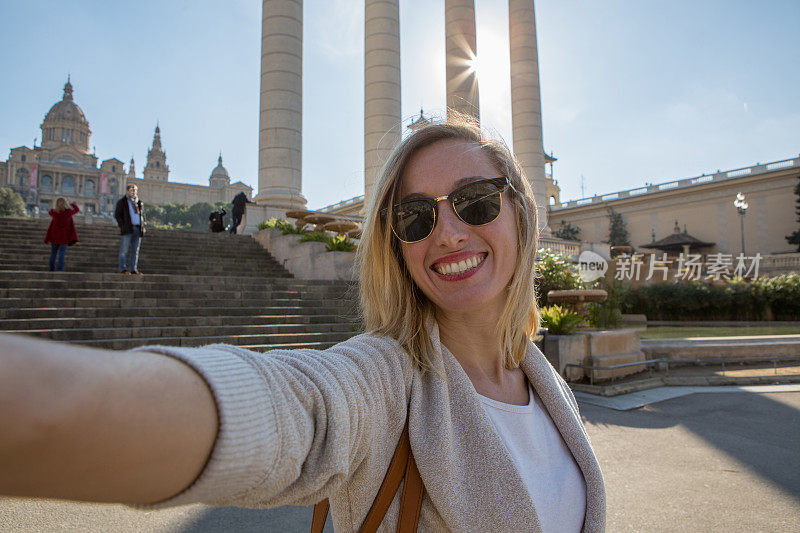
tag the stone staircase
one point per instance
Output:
(197, 289)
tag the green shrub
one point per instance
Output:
(782, 295)
(315, 236)
(286, 227)
(555, 272)
(151, 224)
(736, 299)
(11, 203)
(340, 243)
(559, 320)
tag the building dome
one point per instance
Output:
(65, 124)
(219, 176)
(66, 110)
(219, 171)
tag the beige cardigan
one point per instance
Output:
(302, 425)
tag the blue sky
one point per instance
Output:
(633, 91)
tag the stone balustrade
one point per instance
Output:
(681, 183)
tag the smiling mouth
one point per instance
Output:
(459, 267)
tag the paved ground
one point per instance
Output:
(720, 461)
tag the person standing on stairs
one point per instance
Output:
(130, 220)
(239, 202)
(61, 232)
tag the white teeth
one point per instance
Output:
(462, 266)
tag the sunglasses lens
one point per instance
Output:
(413, 220)
(478, 203)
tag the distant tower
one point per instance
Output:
(132, 169)
(156, 167)
(219, 178)
(553, 190)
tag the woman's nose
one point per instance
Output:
(450, 230)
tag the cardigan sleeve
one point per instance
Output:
(293, 424)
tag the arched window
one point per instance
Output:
(47, 184)
(68, 185)
(552, 200)
(112, 187)
(23, 177)
(88, 188)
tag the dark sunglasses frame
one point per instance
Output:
(502, 183)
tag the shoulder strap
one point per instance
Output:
(401, 465)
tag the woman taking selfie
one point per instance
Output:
(447, 295)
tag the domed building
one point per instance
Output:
(62, 165)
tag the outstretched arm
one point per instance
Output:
(96, 425)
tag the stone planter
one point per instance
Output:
(307, 260)
(562, 350)
(595, 348)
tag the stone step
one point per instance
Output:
(183, 303)
(150, 270)
(112, 233)
(343, 309)
(181, 321)
(182, 279)
(33, 263)
(137, 294)
(196, 251)
(43, 250)
(147, 332)
(109, 264)
(260, 285)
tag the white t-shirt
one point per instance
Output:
(554, 481)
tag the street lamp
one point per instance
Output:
(741, 206)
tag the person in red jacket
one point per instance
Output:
(61, 233)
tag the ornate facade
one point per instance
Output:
(63, 166)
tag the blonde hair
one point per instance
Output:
(61, 205)
(392, 304)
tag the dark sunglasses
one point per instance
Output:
(477, 204)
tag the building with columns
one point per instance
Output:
(63, 166)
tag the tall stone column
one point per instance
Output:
(381, 87)
(461, 49)
(526, 106)
(280, 122)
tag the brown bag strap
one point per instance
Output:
(320, 514)
(401, 465)
(411, 502)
